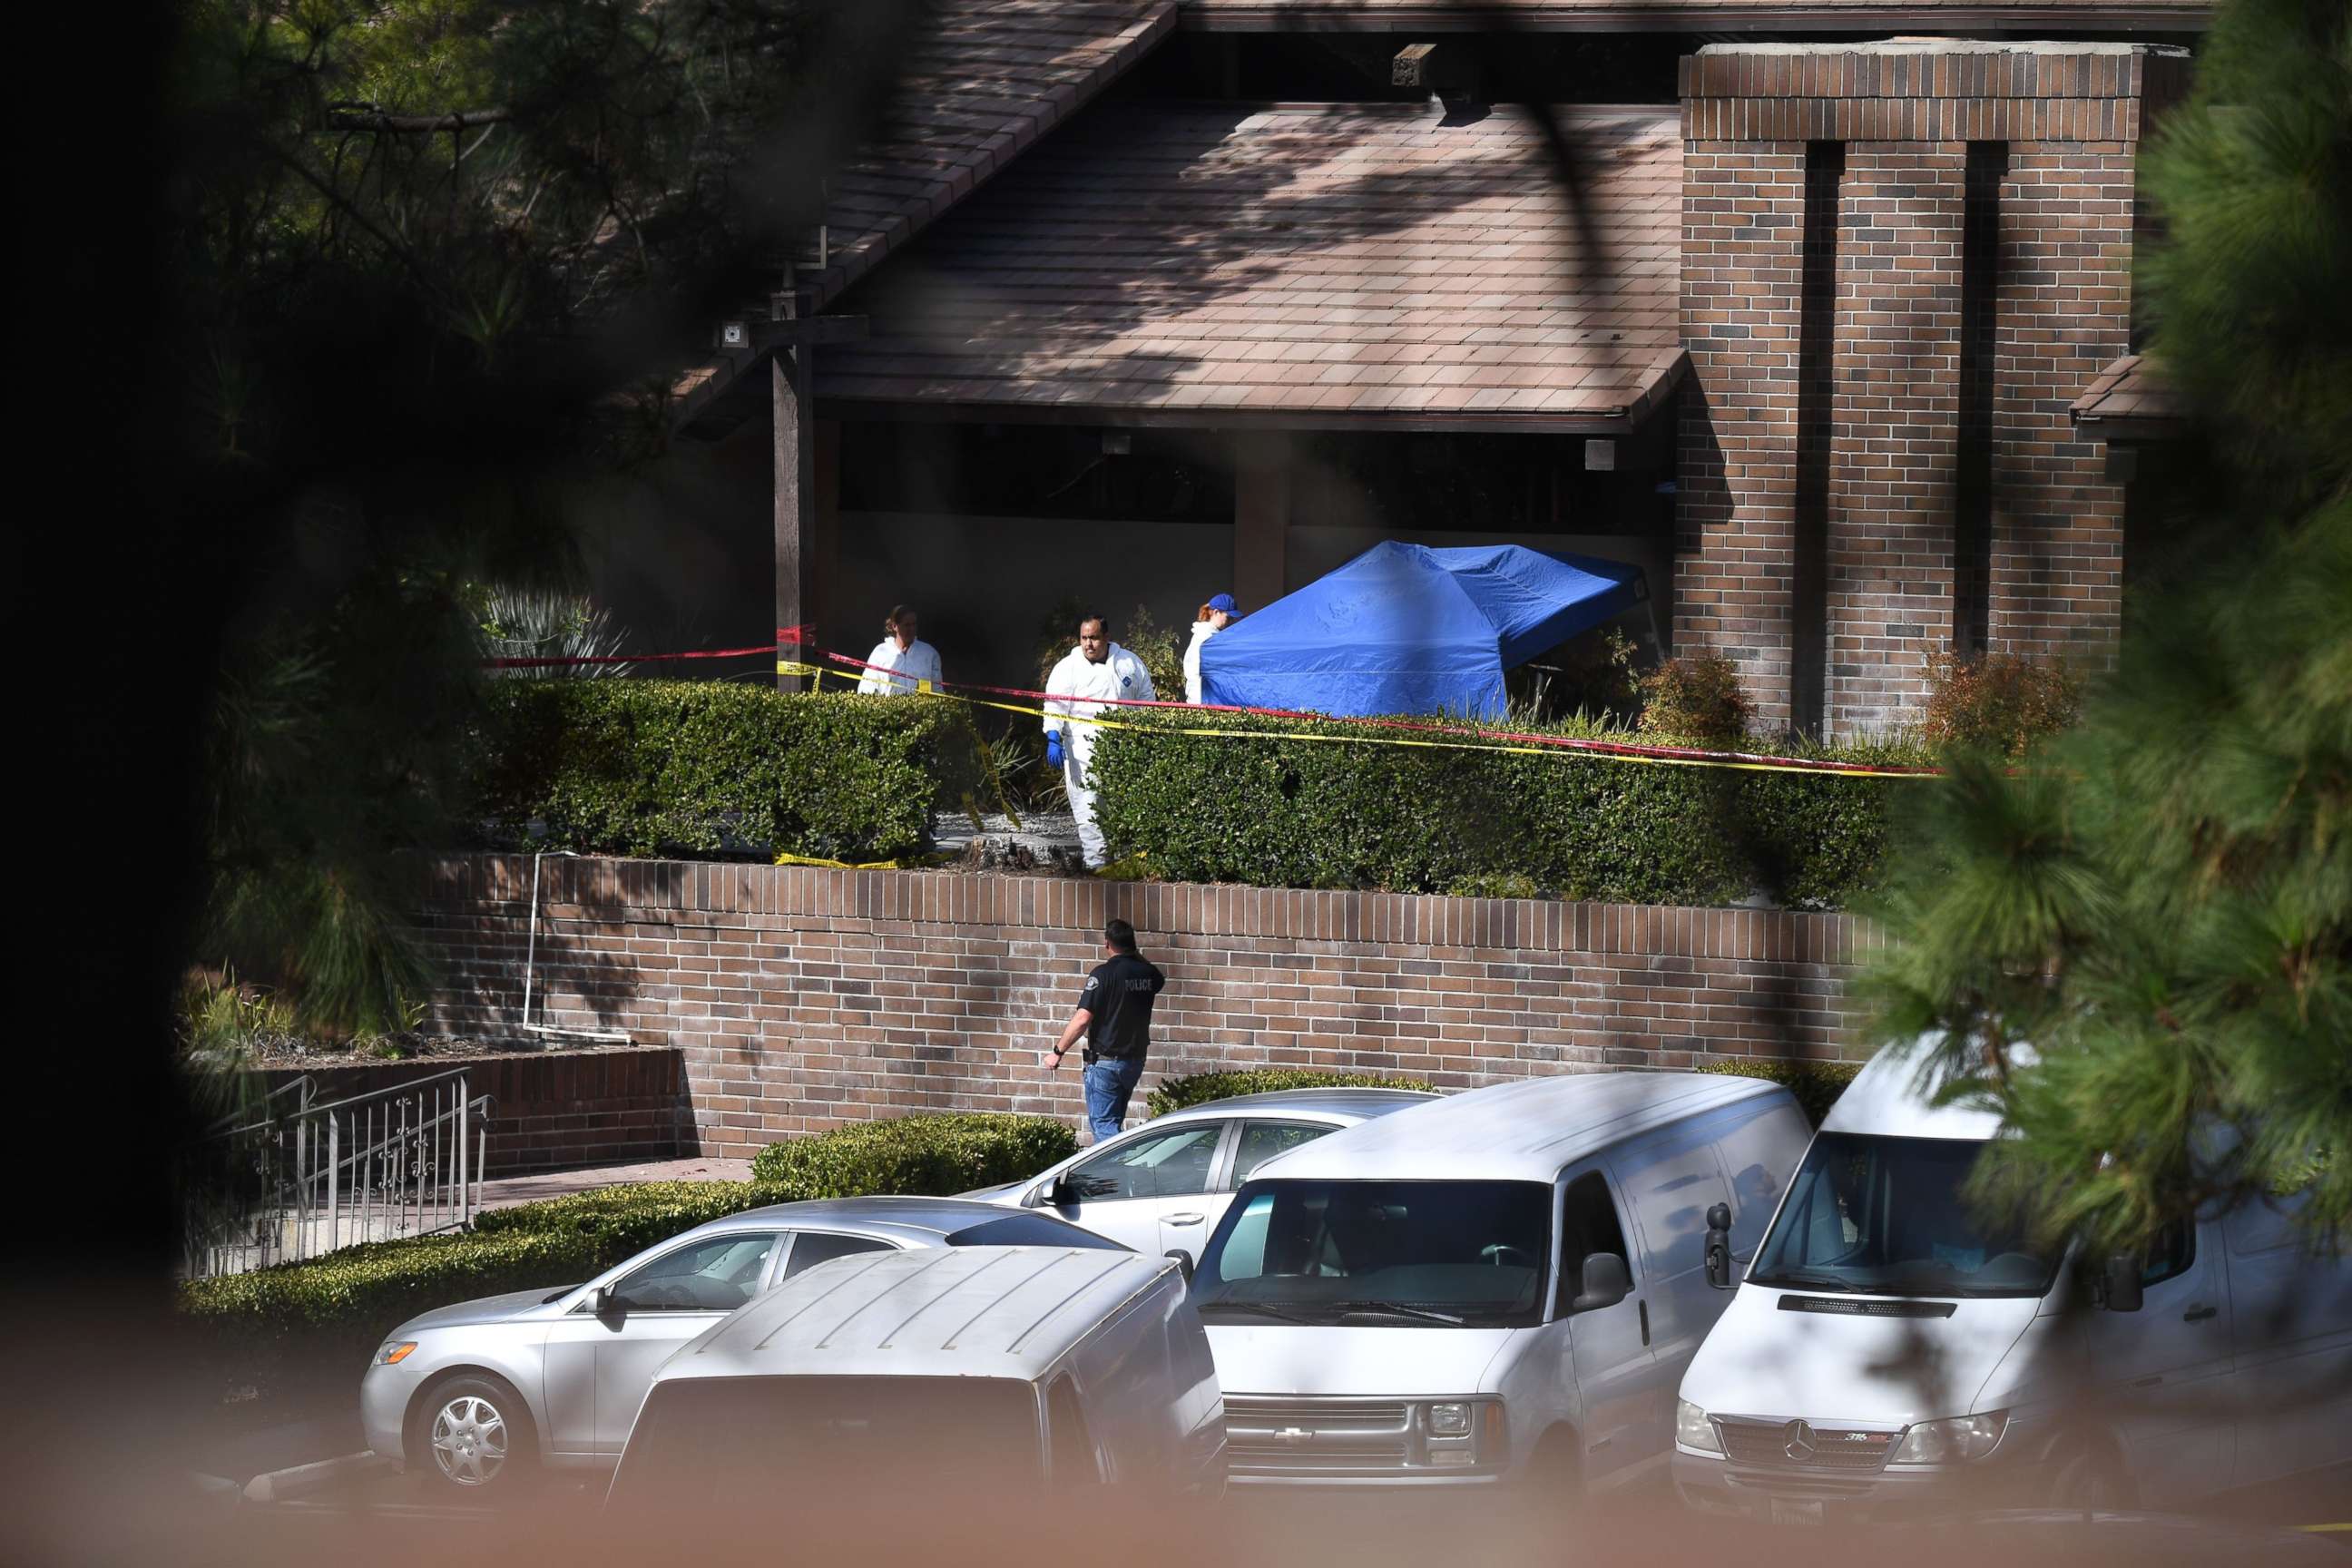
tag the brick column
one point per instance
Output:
(1742, 264)
(1899, 118)
(2064, 315)
(1894, 429)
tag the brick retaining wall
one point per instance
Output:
(550, 1109)
(801, 998)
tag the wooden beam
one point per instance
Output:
(792, 386)
(1262, 482)
(814, 329)
(825, 517)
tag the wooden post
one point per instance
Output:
(1261, 518)
(793, 387)
(824, 520)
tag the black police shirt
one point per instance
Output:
(1119, 994)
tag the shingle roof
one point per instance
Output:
(1685, 15)
(2129, 400)
(1307, 265)
(979, 86)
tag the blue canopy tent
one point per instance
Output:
(1403, 628)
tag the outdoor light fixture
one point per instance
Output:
(735, 335)
(1118, 443)
(1600, 455)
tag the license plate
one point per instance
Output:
(1788, 1511)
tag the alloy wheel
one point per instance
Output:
(469, 1441)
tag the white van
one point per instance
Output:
(1890, 1350)
(1502, 1285)
(934, 1385)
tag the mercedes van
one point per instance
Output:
(1891, 1350)
(1503, 1285)
(947, 1389)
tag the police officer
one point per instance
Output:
(1114, 1012)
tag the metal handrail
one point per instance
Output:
(324, 1106)
(480, 1105)
(225, 1124)
(417, 1150)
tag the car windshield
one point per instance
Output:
(1030, 1230)
(1891, 1217)
(1417, 1254)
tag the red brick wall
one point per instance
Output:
(803, 998)
(1743, 220)
(1895, 426)
(1904, 113)
(549, 1109)
(2064, 315)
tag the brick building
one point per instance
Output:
(1141, 299)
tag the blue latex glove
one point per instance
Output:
(1053, 748)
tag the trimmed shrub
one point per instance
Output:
(1199, 1087)
(1816, 1085)
(1696, 697)
(934, 1153)
(2000, 702)
(315, 1323)
(673, 767)
(1345, 812)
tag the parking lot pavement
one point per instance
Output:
(558, 1514)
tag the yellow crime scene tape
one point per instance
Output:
(904, 863)
(788, 667)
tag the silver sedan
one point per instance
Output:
(479, 1393)
(1161, 1187)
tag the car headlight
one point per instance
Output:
(1449, 1421)
(1694, 1430)
(394, 1353)
(1954, 1440)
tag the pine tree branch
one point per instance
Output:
(358, 117)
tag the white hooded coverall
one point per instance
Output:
(1201, 632)
(1074, 693)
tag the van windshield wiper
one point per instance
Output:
(1260, 1308)
(1807, 1282)
(1390, 1309)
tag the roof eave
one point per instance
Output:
(1656, 386)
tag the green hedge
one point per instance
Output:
(932, 1153)
(1816, 1085)
(1276, 811)
(301, 1324)
(1199, 1087)
(669, 767)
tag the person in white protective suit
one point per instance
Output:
(1215, 617)
(1090, 675)
(901, 661)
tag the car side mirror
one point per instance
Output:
(2119, 1287)
(1183, 1263)
(1061, 1191)
(1607, 1281)
(1718, 1247)
(607, 1303)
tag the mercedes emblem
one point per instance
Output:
(1801, 1445)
